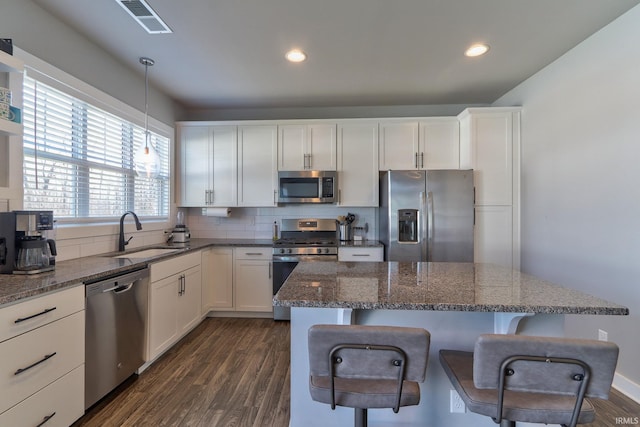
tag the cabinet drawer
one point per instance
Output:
(61, 402)
(252, 253)
(371, 254)
(44, 354)
(39, 311)
(163, 269)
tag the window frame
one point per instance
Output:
(85, 227)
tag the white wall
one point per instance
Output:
(39, 33)
(581, 179)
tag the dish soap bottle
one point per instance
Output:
(275, 230)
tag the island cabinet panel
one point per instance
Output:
(175, 301)
(358, 163)
(253, 278)
(217, 279)
(307, 147)
(257, 165)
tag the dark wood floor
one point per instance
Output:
(226, 372)
(235, 372)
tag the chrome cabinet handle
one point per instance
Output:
(361, 255)
(415, 160)
(275, 193)
(270, 266)
(33, 365)
(253, 253)
(47, 418)
(422, 160)
(45, 311)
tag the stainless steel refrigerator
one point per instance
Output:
(427, 215)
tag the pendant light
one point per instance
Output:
(147, 159)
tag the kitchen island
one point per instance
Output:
(456, 302)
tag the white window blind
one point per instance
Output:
(79, 159)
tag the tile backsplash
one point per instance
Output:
(257, 223)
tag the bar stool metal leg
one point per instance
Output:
(360, 417)
(507, 423)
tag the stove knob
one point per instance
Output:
(281, 251)
(326, 250)
(319, 250)
(289, 251)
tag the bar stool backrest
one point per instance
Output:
(540, 367)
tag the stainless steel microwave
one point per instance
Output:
(308, 187)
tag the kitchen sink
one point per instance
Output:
(148, 253)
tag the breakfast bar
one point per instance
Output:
(455, 302)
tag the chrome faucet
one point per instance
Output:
(122, 243)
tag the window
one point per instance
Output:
(79, 159)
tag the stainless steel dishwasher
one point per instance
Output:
(115, 331)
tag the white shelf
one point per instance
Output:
(10, 128)
(10, 64)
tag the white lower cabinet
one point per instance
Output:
(175, 296)
(361, 254)
(57, 405)
(42, 369)
(217, 279)
(253, 279)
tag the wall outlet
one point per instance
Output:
(456, 405)
(603, 335)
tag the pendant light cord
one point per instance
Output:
(147, 62)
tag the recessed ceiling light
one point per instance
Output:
(296, 55)
(477, 50)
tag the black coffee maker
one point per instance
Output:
(29, 251)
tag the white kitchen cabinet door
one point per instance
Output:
(487, 141)
(195, 165)
(322, 152)
(360, 254)
(399, 146)
(224, 166)
(440, 143)
(208, 166)
(217, 279)
(257, 165)
(253, 279)
(163, 320)
(189, 303)
(292, 147)
(358, 164)
(493, 235)
(307, 147)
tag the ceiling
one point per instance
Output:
(230, 53)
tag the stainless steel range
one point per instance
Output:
(302, 240)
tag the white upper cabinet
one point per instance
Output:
(399, 145)
(257, 165)
(431, 143)
(440, 143)
(358, 163)
(487, 146)
(307, 147)
(208, 165)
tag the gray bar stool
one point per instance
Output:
(532, 379)
(365, 367)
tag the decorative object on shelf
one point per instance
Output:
(6, 45)
(147, 158)
(15, 115)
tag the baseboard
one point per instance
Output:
(627, 387)
(241, 314)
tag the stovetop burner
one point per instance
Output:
(305, 242)
(307, 237)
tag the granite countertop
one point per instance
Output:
(76, 271)
(432, 286)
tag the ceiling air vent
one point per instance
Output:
(145, 16)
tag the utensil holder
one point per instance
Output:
(345, 232)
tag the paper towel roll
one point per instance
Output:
(224, 212)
